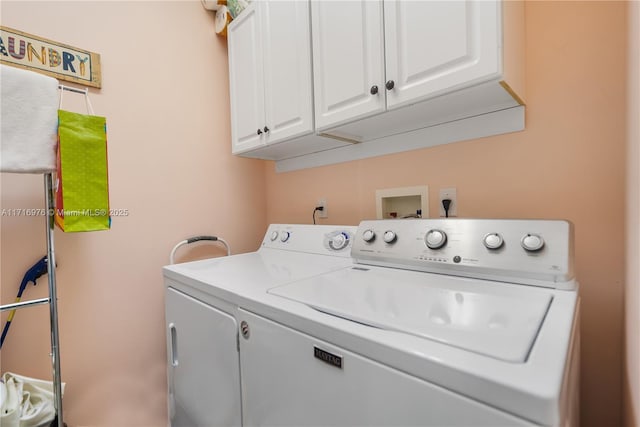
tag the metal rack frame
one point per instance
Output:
(52, 300)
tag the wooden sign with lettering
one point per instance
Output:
(54, 59)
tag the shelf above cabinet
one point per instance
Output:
(484, 125)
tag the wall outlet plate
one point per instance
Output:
(324, 213)
(448, 193)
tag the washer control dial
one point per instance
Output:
(274, 235)
(339, 241)
(532, 242)
(389, 236)
(493, 241)
(369, 235)
(435, 239)
(285, 236)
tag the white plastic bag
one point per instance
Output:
(26, 402)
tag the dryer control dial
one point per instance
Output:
(369, 235)
(493, 241)
(435, 239)
(339, 241)
(285, 236)
(389, 236)
(532, 242)
(274, 235)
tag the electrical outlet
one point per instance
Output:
(324, 213)
(448, 193)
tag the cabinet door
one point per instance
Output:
(437, 46)
(348, 60)
(203, 365)
(246, 81)
(286, 42)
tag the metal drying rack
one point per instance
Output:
(52, 300)
(73, 89)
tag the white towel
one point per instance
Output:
(29, 121)
(26, 402)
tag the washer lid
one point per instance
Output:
(494, 319)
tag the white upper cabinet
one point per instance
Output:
(437, 46)
(287, 69)
(317, 82)
(348, 60)
(246, 81)
(270, 74)
(431, 51)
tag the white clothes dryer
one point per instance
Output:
(202, 300)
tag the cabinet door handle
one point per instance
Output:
(390, 84)
(374, 90)
(259, 132)
(266, 129)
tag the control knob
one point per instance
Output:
(369, 235)
(285, 236)
(532, 242)
(493, 241)
(274, 235)
(339, 241)
(435, 239)
(389, 236)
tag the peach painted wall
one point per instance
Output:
(569, 163)
(632, 290)
(165, 96)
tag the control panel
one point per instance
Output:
(316, 239)
(536, 252)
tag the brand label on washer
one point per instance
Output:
(327, 357)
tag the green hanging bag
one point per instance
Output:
(82, 194)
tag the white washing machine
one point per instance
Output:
(202, 303)
(439, 322)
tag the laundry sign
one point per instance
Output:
(44, 56)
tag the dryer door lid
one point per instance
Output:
(490, 318)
